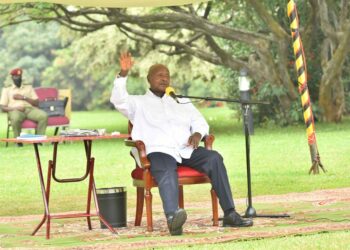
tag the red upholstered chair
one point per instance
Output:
(53, 121)
(143, 181)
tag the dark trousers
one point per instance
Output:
(210, 162)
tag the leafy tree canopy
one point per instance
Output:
(233, 34)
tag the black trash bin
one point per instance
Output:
(112, 205)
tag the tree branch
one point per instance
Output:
(274, 26)
(177, 45)
(225, 57)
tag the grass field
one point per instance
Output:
(280, 161)
(320, 241)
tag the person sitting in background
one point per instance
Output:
(20, 101)
(171, 133)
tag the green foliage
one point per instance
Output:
(84, 66)
(265, 115)
(29, 46)
(89, 63)
(274, 114)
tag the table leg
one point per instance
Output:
(48, 188)
(44, 193)
(89, 193)
(90, 163)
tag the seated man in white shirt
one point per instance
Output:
(171, 133)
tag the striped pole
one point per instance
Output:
(300, 63)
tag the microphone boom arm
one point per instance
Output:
(222, 99)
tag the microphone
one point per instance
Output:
(171, 92)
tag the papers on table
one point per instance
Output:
(80, 132)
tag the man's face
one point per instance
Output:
(159, 80)
(17, 80)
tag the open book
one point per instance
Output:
(31, 137)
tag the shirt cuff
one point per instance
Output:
(120, 80)
(119, 76)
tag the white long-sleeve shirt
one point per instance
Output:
(161, 123)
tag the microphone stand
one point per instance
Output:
(250, 211)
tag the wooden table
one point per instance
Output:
(89, 173)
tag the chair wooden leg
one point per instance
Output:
(64, 128)
(181, 196)
(139, 205)
(56, 131)
(8, 134)
(214, 202)
(148, 198)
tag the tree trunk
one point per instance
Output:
(332, 99)
(335, 48)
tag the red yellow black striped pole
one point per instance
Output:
(300, 64)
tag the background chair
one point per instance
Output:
(143, 181)
(43, 94)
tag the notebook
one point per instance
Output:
(31, 137)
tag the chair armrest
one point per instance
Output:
(141, 149)
(208, 141)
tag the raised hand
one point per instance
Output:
(126, 62)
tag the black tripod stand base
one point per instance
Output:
(251, 213)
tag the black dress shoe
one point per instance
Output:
(233, 219)
(20, 144)
(176, 220)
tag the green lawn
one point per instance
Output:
(320, 241)
(280, 161)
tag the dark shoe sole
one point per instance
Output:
(179, 219)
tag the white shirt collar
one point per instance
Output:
(150, 93)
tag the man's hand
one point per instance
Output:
(18, 97)
(21, 109)
(8, 109)
(194, 139)
(126, 62)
